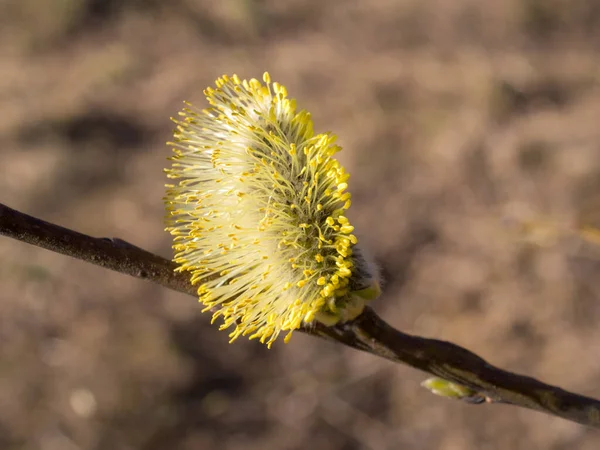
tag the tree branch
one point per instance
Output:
(482, 381)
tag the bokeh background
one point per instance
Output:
(471, 129)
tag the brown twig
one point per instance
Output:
(368, 332)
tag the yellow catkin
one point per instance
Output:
(257, 209)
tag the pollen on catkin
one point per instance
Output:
(257, 213)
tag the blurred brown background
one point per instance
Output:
(471, 129)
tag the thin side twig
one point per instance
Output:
(368, 332)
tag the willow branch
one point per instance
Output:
(368, 332)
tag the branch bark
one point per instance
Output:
(368, 332)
